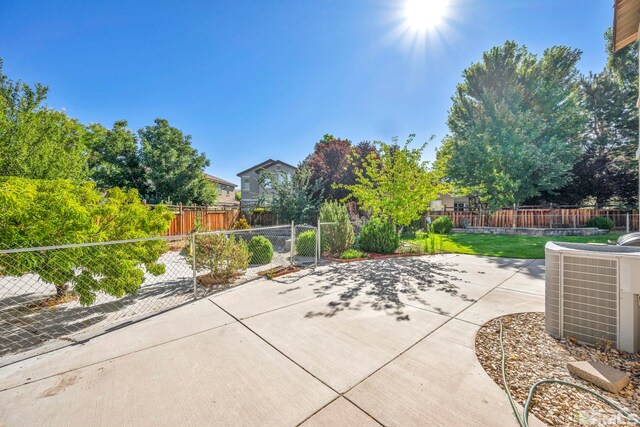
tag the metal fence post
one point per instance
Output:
(318, 242)
(293, 241)
(193, 262)
(575, 223)
(627, 222)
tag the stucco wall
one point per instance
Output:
(254, 191)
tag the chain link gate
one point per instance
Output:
(56, 295)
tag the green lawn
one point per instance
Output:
(501, 245)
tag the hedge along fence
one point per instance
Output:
(539, 218)
(212, 218)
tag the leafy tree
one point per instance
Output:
(624, 67)
(174, 168)
(291, 197)
(607, 169)
(394, 183)
(37, 141)
(329, 164)
(114, 158)
(56, 212)
(515, 123)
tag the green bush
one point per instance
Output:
(410, 248)
(240, 224)
(352, 254)
(37, 212)
(601, 222)
(379, 237)
(442, 225)
(338, 237)
(433, 244)
(220, 257)
(306, 243)
(261, 250)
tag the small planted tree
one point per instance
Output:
(337, 236)
(60, 212)
(394, 183)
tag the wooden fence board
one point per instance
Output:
(540, 218)
(185, 220)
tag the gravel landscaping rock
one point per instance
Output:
(533, 355)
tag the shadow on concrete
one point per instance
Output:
(387, 285)
(26, 324)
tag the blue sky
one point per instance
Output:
(251, 80)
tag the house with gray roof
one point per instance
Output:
(251, 189)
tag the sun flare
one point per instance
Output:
(424, 15)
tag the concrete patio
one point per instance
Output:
(386, 342)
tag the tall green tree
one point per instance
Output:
(607, 170)
(114, 158)
(394, 183)
(35, 140)
(173, 167)
(516, 123)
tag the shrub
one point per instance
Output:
(352, 254)
(261, 250)
(306, 243)
(601, 222)
(336, 238)
(410, 248)
(240, 224)
(442, 225)
(55, 212)
(378, 236)
(222, 257)
(433, 243)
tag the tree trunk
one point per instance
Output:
(62, 291)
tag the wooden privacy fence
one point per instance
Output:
(540, 218)
(211, 219)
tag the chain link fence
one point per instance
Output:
(56, 295)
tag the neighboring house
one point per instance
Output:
(226, 189)
(450, 202)
(251, 190)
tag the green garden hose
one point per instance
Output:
(523, 420)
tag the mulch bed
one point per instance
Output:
(53, 301)
(209, 280)
(533, 355)
(278, 271)
(374, 256)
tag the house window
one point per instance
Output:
(245, 183)
(459, 207)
